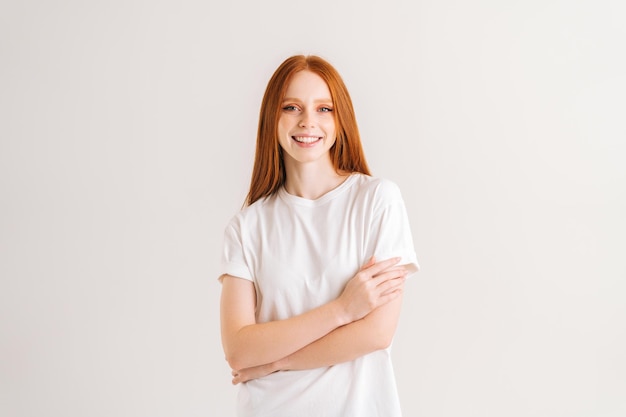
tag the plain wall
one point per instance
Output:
(127, 134)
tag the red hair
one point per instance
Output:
(268, 174)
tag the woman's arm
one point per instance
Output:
(248, 344)
(374, 332)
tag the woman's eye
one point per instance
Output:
(290, 108)
(325, 109)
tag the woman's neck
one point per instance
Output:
(312, 180)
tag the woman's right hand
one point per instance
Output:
(375, 284)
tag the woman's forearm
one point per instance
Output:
(248, 344)
(261, 343)
(346, 343)
(349, 342)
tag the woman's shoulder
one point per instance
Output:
(380, 188)
(251, 213)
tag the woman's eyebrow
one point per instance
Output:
(321, 100)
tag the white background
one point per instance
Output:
(127, 134)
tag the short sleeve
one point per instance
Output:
(390, 229)
(233, 258)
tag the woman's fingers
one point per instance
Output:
(390, 274)
(389, 281)
(392, 295)
(371, 287)
(247, 374)
(379, 267)
(390, 286)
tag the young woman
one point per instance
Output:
(314, 265)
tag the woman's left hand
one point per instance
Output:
(245, 375)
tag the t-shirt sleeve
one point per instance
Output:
(391, 233)
(233, 258)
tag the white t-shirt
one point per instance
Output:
(300, 254)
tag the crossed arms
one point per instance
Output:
(361, 320)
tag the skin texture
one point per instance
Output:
(363, 318)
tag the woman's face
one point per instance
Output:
(306, 128)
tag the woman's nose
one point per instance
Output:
(306, 119)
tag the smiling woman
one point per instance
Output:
(314, 265)
(306, 129)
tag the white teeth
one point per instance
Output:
(306, 139)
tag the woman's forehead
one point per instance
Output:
(307, 84)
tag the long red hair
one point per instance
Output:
(268, 174)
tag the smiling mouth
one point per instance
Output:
(306, 139)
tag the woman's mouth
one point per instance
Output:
(306, 140)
